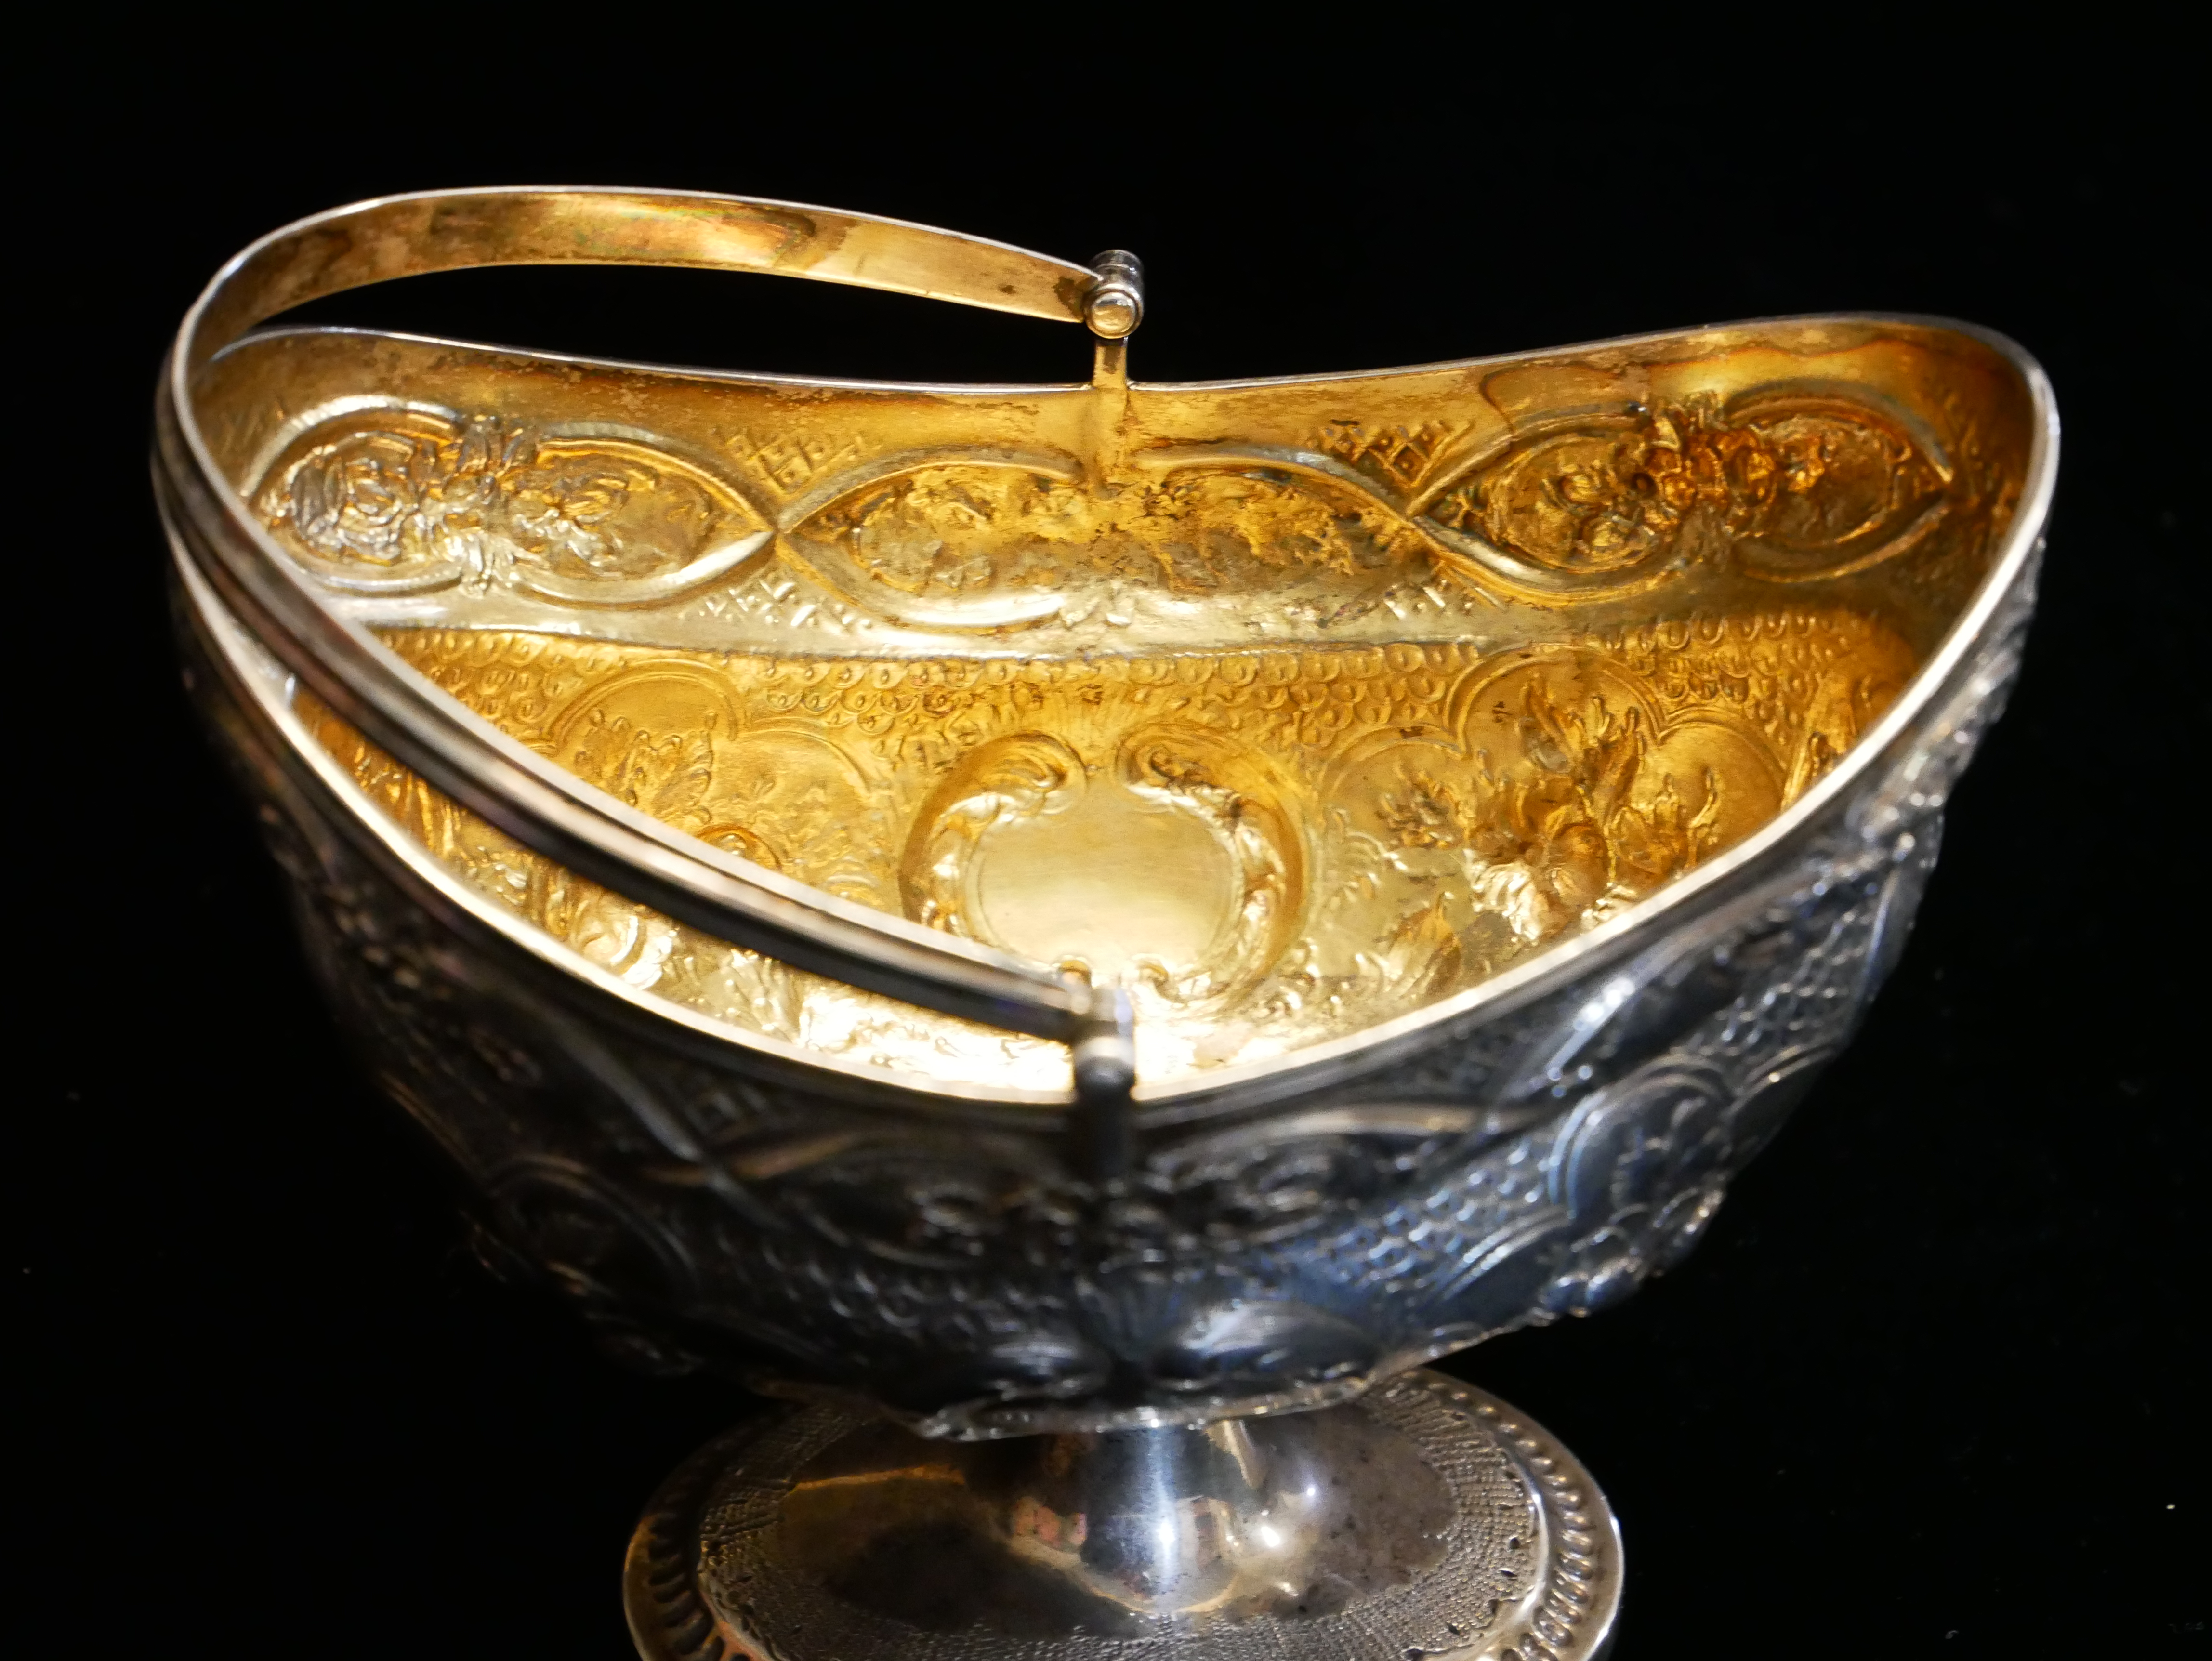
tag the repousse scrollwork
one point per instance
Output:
(1279, 827)
(390, 498)
(1498, 788)
(384, 500)
(1276, 848)
(1786, 486)
(1582, 1146)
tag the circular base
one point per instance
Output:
(1424, 1520)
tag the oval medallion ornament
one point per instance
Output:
(1784, 485)
(386, 500)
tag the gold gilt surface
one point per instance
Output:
(1494, 503)
(1268, 848)
(1293, 706)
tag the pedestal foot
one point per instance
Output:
(1424, 1520)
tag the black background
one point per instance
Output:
(1930, 1388)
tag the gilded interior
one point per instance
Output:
(1292, 707)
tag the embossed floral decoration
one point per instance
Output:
(486, 502)
(1559, 839)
